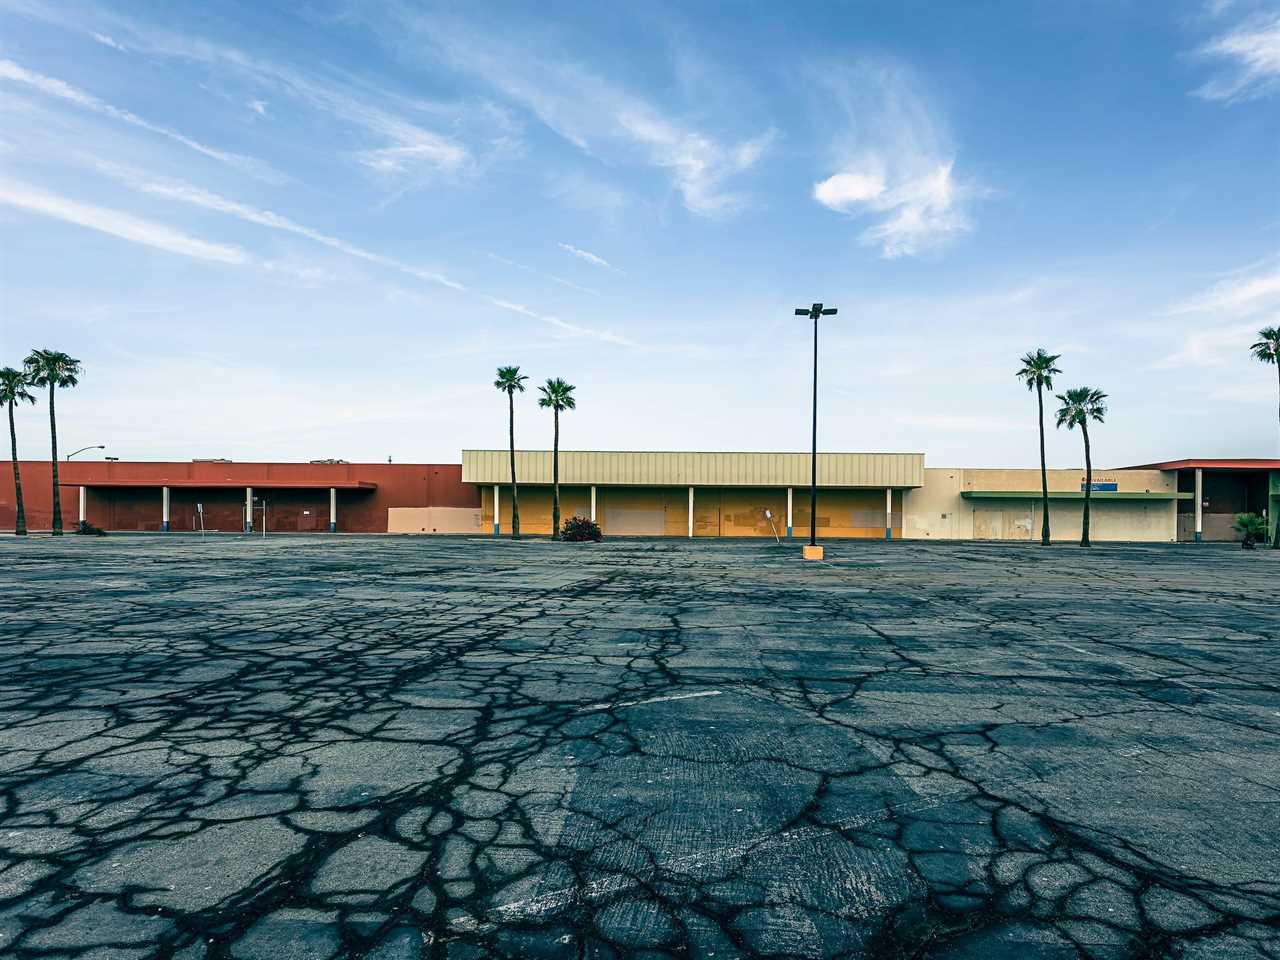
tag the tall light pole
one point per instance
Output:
(92, 446)
(813, 313)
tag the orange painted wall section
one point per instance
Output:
(717, 512)
(288, 510)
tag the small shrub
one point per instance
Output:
(579, 529)
(89, 530)
(1252, 527)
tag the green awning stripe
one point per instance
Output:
(1072, 495)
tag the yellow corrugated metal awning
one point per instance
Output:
(644, 468)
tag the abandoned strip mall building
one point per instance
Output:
(654, 494)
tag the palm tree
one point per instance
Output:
(53, 369)
(1037, 373)
(13, 389)
(510, 382)
(1079, 406)
(557, 395)
(1267, 349)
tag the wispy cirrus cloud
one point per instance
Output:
(538, 273)
(591, 258)
(181, 192)
(894, 163)
(1238, 294)
(1249, 60)
(403, 148)
(117, 223)
(108, 41)
(1212, 347)
(436, 153)
(205, 199)
(1222, 320)
(572, 329)
(53, 87)
(698, 164)
(590, 111)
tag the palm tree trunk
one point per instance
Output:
(515, 496)
(555, 479)
(1044, 472)
(1088, 487)
(53, 437)
(20, 525)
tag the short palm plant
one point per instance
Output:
(53, 369)
(1037, 373)
(1079, 406)
(1252, 529)
(13, 390)
(511, 382)
(557, 395)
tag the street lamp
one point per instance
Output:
(813, 313)
(92, 446)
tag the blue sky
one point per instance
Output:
(289, 231)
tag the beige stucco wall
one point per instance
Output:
(434, 520)
(1127, 481)
(660, 468)
(935, 510)
(938, 511)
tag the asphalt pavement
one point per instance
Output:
(399, 747)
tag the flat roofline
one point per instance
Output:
(710, 485)
(1080, 469)
(228, 484)
(208, 464)
(1211, 463)
(702, 453)
(1074, 495)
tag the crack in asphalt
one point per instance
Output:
(409, 747)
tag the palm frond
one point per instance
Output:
(1267, 349)
(13, 387)
(510, 380)
(1080, 405)
(557, 395)
(1038, 369)
(52, 368)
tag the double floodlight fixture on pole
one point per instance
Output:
(813, 313)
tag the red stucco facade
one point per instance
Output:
(127, 496)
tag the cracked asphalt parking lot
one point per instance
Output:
(411, 747)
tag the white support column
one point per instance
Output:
(691, 513)
(593, 504)
(248, 509)
(790, 498)
(1199, 504)
(333, 509)
(497, 526)
(84, 504)
(164, 509)
(888, 513)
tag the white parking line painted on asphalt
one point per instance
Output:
(635, 703)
